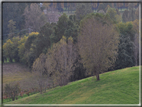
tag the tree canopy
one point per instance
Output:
(98, 43)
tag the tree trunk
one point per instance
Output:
(2, 60)
(10, 60)
(13, 98)
(97, 76)
(68, 9)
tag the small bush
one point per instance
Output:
(12, 91)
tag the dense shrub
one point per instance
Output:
(12, 91)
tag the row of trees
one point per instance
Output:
(62, 58)
(23, 15)
(72, 6)
(14, 12)
(101, 45)
(103, 6)
(130, 14)
(57, 63)
(35, 43)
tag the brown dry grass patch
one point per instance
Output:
(17, 73)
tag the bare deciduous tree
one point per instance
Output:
(41, 75)
(98, 44)
(60, 59)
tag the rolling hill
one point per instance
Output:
(115, 87)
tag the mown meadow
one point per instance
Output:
(115, 87)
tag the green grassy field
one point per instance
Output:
(115, 87)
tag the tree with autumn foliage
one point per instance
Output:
(97, 43)
(14, 51)
(22, 49)
(30, 46)
(7, 49)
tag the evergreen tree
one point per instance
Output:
(12, 28)
(43, 41)
(126, 46)
(13, 11)
(65, 27)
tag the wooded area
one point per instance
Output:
(94, 38)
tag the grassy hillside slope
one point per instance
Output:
(115, 87)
